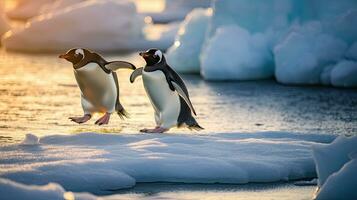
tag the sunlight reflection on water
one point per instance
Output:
(38, 93)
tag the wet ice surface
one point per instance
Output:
(38, 93)
(215, 191)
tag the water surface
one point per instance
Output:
(38, 93)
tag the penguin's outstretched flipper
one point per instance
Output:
(135, 74)
(114, 65)
(184, 96)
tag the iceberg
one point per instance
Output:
(26, 9)
(295, 41)
(97, 163)
(183, 56)
(305, 52)
(223, 60)
(336, 168)
(86, 25)
(176, 10)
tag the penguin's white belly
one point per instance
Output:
(165, 101)
(99, 93)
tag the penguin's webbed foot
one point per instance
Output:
(103, 120)
(80, 120)
(155, 130)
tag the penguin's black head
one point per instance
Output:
(74, 55)
(152, 56)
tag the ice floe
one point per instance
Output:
(99, 25)
(336, 165)
(99, 162)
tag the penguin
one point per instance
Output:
(98, 83)
(167, 93)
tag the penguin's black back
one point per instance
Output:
(185, 116)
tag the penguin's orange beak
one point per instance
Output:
(144, 54)
(64, 56)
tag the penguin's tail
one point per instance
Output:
(121, 111)
(195, 127)
(123, 114)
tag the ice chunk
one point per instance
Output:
(13, 190)
(96, 162)
(304, 53)
(341, 184)
(176, 10)
(330, 158)
(254, 16)
(30, 139)
(26, 9)
(344, 74)
(86, 25)
(336, 172)
(233, 53)
(344, 25)
(352, 52)
(183, 56)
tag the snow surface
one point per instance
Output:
(86, 25)
(298, 41)
(99, 162)
(336, 166)
(53, 191)
(176, 10)
(26, 9)
(183, 56)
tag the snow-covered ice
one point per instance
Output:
(98, 162)
(86, 25)
(30, 139)
(183, 56)
(12, 190)
(336, 165)
(26, 9)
